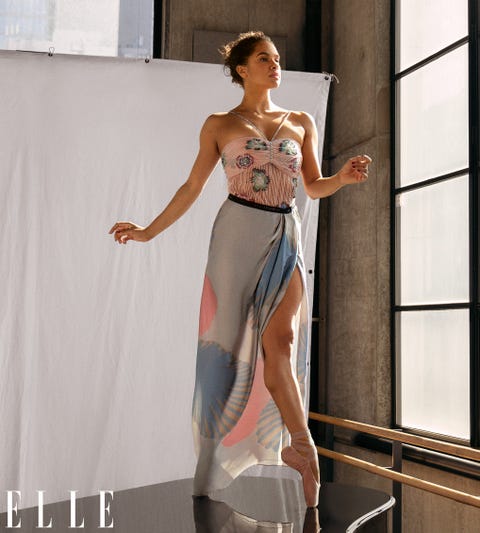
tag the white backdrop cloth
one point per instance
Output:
(98, 340)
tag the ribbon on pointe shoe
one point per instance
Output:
(311, 486)
(304, 444)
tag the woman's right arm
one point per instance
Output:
(186, 195)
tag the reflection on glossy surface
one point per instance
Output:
(249, 504)
(311, 524)
(218, 517)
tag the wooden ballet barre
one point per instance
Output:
(396, 435)
(440, 490)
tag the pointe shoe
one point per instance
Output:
(304, 444)
(311, 486)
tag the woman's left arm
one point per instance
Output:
(355, 170)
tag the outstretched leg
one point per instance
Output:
(279, 377)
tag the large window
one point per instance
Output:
(90, 27)
(435, 308)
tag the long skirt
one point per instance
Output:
(236, 424)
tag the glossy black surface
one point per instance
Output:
(250, 504)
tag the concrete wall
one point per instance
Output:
(358, 342)
(275, 17)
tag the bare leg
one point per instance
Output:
(279, 377)
(277, 343)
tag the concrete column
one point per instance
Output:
(357, 40)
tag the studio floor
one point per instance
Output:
(249, 504)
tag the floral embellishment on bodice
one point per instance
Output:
(295, 165)
(288, 147)
(295, 184)
(256, 144)
(244, 161)
(259, 180)
(261, 168)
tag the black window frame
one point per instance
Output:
(473, 171)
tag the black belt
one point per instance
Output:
(275, 209)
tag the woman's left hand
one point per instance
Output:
(355, 170)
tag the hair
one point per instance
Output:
(238, 51)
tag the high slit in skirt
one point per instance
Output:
(236, 424)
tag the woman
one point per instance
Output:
(251, 360)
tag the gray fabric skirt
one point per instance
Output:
(236, 424)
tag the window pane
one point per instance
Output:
(432, 236)
(432, 119)
(106, 28)
(425, 27)
(433, 371)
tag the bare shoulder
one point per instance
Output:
(303, 125)
(212, 130)
(216, 120)
(304, 119)
(215, 123)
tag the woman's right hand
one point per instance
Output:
(128, 231)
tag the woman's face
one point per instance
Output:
(263, 67)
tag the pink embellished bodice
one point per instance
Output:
(261, 170)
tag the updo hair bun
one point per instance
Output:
(238, 51)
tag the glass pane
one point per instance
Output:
(107, 28)
(432, 238)
(433, 372)
(432, 119)
(425, 27)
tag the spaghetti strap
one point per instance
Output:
(280, 125)
(248, 121)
